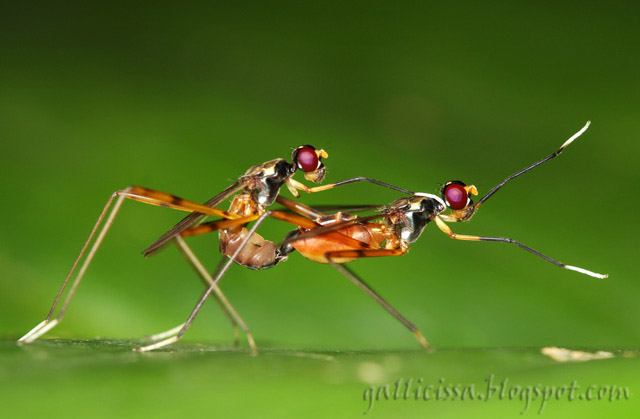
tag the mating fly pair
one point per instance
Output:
(334, 239)
(256, 190)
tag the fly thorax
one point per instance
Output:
(413, 214)
(414, 224)
(268, 180)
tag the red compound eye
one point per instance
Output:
(307, 159)
(456, 196)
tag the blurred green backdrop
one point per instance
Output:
(185, 98)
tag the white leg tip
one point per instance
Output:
(38, 331)
(576, 135)
(586, 272)
(166, 334)
(26, 338)
(156, 345)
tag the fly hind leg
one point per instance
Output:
(136, 193)
(344, 270)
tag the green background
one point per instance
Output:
(185, 98)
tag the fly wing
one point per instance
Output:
(332, 209)
(332, 227)
(192, 218)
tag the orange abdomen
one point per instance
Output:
(316, 248)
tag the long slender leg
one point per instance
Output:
(208, 291)
(366, 288)
(233, 315)
(175, 330)
(136, 193)
(300, 221)
(364, 253)
(300, 186)
(538, 163)
(164, 199)
(222, 300)
(217, 225)
(447, 230)
(328, 232)
(211, 226)
(47, 324)
(193, 218)
(216, 272)
(195, 264)
(299, 208)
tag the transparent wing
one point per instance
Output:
(332, 227)
(332, 209)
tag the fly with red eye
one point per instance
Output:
(306, 158)
(400, 224)
(341, 238)
(456, 194)
(348, 237)
(254, 192)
